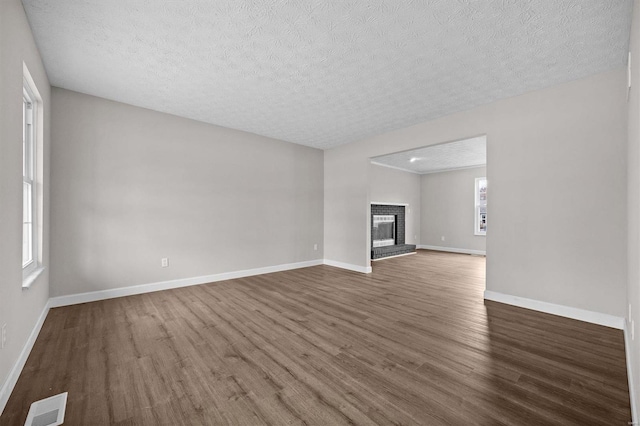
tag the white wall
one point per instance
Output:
(131, 186)
(633, 254)
(395, 186)
(556, 160)
(19, 308)
(448, 209)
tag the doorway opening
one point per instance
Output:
(443, 189)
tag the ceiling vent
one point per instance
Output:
(48, 411)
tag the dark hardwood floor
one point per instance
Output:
(411, 343)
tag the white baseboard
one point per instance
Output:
(93, 296)
(560, 310)
(630, 375)
(14, 374)
(349, 266)
(452, 249)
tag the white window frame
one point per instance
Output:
(32, 133)
(480, 208)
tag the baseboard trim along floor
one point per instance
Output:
(348, 266)
(580, 315)
(630, 374)
(14, 374)
(93, 296)
(560, 310)
(452, 249)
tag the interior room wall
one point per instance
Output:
(347, 206)
(448, 210)
(556, 160)
(633, 217)
(131, 186)
(19, 309)
(396, 186)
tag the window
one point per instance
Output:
(30, 172)
(29, 243)
(481, 206)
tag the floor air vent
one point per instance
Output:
(47, 412)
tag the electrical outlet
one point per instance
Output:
(315, 247)
(442, 238)
(165, 262)
(4, 335)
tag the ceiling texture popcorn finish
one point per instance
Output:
(438, 158)
(323, 73)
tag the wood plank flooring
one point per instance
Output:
(411, 343)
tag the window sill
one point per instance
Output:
(31, 278)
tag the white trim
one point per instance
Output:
(395, 255)
(390, 204)
(31, 105)
(14, 374)
(452, 249)
(375, 163)
(454, 169)
(560, 310)
(630, 375)
(430, 172)
(93, 296)
(32, 277)
(349, 266)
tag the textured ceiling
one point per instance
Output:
(323, 73)
(439, 158)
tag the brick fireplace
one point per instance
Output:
(388, 223)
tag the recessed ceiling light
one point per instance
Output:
(414, 159)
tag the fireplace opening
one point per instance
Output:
(384, 230)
